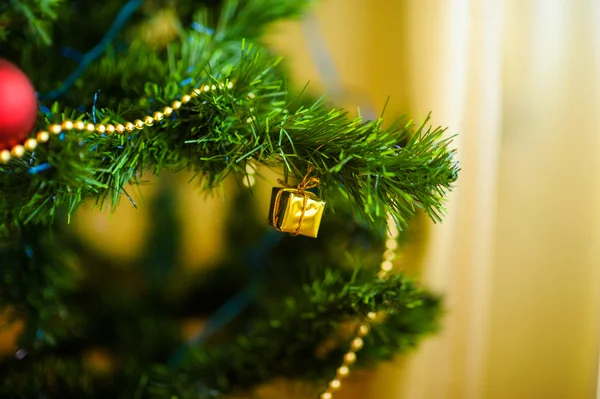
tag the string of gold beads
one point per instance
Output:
(44, 136)
(364, 328)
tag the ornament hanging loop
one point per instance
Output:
(307, 182)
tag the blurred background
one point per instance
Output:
(517, 256)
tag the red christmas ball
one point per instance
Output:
(18, 105)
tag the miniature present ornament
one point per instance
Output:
(296, 210)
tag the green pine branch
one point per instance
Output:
(282, 341)
(396, 169)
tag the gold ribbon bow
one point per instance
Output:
(306, 184)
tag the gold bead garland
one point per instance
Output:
(43, 136)
(364, 328)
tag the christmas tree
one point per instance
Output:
(95, 97)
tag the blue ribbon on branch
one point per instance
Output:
(240, 301)
(86, 59)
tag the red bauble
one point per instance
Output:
(18, 105)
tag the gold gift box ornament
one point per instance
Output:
(296, 210)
